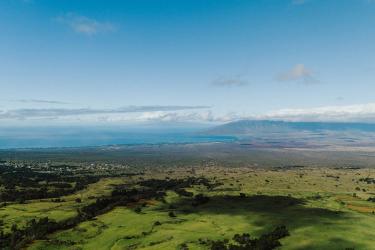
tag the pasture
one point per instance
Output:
(322, 208)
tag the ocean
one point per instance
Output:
(46, 137)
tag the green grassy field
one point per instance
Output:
(19, 214)
(322, 208)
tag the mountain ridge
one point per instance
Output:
(252, 126)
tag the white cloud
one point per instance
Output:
(349, 113)
(83, 113)
(298, 73)
(85, 25)
(187, 116)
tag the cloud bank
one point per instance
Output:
(56, 113)
(349, 113)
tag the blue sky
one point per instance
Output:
(196, 60)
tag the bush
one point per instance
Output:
(138, 210)
(157, 223)
(200, 199)
(267, 241)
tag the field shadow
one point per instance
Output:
(266, 212)
(260, 204)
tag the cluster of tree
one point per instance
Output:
(21, 184)
(267, 241)
(29, 194)
(28, 177)
(177, 184)
(34, 229)
(183, 192)
(368, 180)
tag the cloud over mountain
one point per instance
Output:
(348, 113)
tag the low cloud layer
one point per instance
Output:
(85, 25)
(349, 113)
(56, 113)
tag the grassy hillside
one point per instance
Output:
(322, 208)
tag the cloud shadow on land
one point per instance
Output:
(266, 212)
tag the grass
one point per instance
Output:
(317, 206)
(19, 214)
(311, 228)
